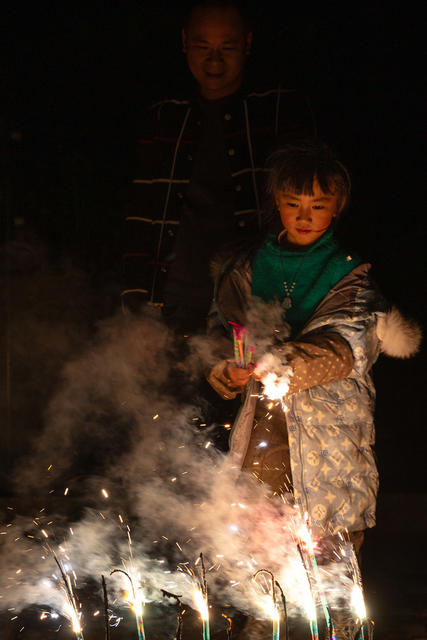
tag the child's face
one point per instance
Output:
(306, 217)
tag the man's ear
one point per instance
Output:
(184, 41)
(248, 43)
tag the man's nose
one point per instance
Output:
(215, 55)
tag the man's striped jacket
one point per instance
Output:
(254, 124)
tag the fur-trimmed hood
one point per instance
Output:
(398, 336)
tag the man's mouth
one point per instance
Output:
(214, 74)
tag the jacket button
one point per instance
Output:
(231, 152)
(238, 187)
(242, 223)
(189, 157)
(227, 116)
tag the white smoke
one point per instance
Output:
(171, 495)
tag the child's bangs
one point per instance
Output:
(301, 182)
(295, 169)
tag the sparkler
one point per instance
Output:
(181, 612)
(106, 617)
(285, 610)
(70, 606)
(357, 599)
(270, 606)
(305, 537)
(310, 606)
(201, 600)
(178, 634)
(229, 626)
(135, 599)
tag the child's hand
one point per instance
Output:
(239, 376)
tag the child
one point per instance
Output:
(320, 446)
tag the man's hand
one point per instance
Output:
(238, 376)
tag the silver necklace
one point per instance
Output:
(287, 302)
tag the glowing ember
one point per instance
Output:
(269, 607)
(275, 387)
(201, 603)
(135, 600)
(268, 603)
(306, 539)
(358, 602)
(71, 613)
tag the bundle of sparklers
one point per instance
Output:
(243, 351)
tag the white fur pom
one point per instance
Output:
(400, 338)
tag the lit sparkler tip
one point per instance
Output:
(201, 603)
(267, 604)
(358, 602)
(105, 493)
(134, 596)
(71, 613)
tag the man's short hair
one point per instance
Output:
(222, 5)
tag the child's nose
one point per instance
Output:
(304, 213)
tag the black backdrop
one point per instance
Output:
(78, 75)
(76, 79)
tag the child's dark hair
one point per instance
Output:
(295, 167)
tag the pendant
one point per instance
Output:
(287, 302)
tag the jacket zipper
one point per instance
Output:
(297, 421)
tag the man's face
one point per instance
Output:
(216, 46)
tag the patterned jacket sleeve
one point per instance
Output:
(317, 359)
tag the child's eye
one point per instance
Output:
(291, 204)
(318, 206)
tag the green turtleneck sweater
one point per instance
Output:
(315, 271)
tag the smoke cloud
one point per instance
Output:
(131, 478)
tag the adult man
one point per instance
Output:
(202, 162)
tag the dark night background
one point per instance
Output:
(76, 80)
